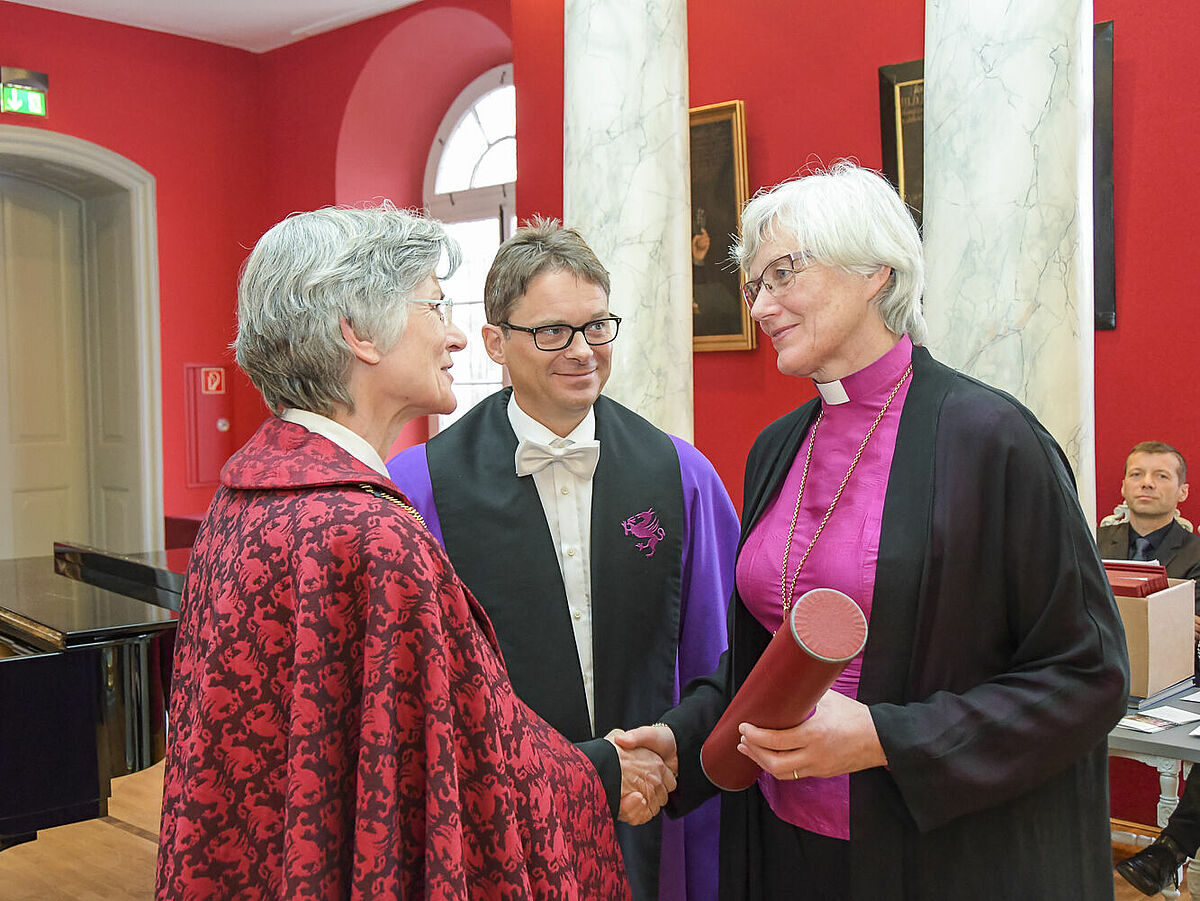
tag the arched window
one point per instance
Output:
(470, 183)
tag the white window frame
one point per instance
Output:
(473, 203)
(497, 201)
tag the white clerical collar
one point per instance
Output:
(525, 426)
(833, 393)
(351, 442)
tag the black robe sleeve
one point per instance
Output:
(603, 755)
(1017, 665)
(704, 699)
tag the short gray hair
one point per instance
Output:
(311, 270)
(849, 217)
(541, 245)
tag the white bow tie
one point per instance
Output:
(580, 457)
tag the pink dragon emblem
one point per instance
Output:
(645, 526)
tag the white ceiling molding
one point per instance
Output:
(257, 26)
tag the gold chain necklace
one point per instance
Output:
(406, 507)
(787, 591)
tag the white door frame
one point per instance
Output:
(49, 146)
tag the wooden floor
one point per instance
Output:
(1126, 892)
(113, 859)
(96, 860)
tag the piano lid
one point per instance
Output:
(155, 577)
(52, 612)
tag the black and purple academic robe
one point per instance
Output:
(658, 619)
(994, 668)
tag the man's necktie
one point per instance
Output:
(1142, 549)
(579, 457)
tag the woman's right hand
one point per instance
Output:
(838, 738)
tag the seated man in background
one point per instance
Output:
(1155, 484)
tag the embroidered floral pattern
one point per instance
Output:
(342, 726)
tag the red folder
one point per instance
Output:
(1135, 580)
(824, 631)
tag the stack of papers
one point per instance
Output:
(1160, 718)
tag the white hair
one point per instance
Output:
(849, 217)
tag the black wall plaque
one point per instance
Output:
(901, 130)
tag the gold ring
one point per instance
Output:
(795, 775)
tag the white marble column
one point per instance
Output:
(1008, 210)
(626, 189)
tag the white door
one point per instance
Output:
(43, 437)
(115, 461)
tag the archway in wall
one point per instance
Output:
(400, 97)
(95, 209)
(397, 105)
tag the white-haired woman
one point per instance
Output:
(342, 726)
(963, 755)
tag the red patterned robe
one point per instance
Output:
(342, 726)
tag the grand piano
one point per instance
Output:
(86, 640)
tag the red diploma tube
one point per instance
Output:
(824, 631)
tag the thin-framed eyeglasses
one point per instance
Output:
(444, 307)
(557, 337)
(777, 276)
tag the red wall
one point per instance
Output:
(353, 114)
(811, 89)
(1145, 369)
(811, 94)
(537, 30)
(236, 140)
(317, 87)
(189, 112)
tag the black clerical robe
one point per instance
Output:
(994, 668)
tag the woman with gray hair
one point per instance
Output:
(994, 667)
(342, 725)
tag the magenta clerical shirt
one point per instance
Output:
(844, 556)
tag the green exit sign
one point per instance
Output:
(18, 99)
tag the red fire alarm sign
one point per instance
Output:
(212, 380)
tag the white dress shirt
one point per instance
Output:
(567, 503)
(351, 442)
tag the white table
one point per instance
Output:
(1167, 751)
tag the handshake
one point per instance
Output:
(649, 765)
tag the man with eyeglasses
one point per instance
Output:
(601, 547)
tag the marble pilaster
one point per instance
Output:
(1007, 209)
(626, 189)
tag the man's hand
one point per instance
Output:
(838, 738)
(700, 244)
(646, 779)
(658, 738)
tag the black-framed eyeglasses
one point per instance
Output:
(444, 307)
(777, 276)
(557, 337)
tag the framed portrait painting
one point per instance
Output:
(720, 321)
